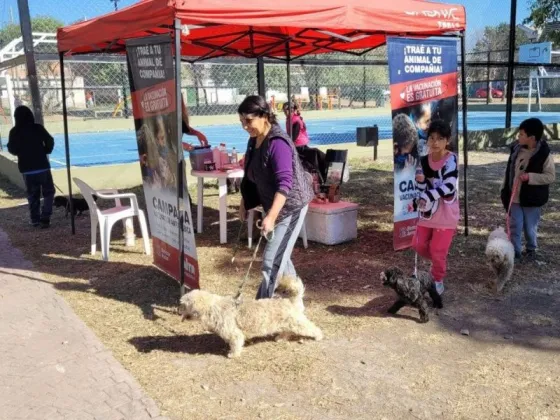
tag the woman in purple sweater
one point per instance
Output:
(274, 178)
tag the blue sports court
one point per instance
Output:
(111, 147)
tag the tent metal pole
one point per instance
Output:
(511, 58)
(67, 141)
(28, 48)
(364, 81)
(465, 134)
(261, 87)
(289, 82)
(181, 158)
(260, 77)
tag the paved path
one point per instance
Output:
(52, 366)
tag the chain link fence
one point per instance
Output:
(327, 87)
(98, 94)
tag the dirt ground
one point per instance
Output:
(370, 365)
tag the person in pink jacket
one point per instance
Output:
(438, 201)
(296, 127)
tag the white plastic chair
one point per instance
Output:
(107, 218)
(251, 223)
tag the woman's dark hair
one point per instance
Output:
(295, 110)
(440, 127)
(257, 105)
(23, 116)
(295, 107)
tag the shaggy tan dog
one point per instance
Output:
(237, 321)
(500, 255)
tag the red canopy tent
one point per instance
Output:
(255, 28)
(288, 30)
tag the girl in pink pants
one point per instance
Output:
(438, 201)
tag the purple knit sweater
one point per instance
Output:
(275, 168)
(280, 159)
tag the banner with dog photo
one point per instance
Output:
(152, 86)
(423, 78)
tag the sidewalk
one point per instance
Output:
(52, 366)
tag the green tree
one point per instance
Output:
(48, 72)
(495, 39)
(543, 12)
(345, 81)
(38, 24)
(493, 46)
(242, 77)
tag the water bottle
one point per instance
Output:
(216, 157)
(234, 156)
(224, 159)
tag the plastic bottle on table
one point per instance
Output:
(216, 157)
(224, 160)
(234, 156)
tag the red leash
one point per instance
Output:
(513, 194)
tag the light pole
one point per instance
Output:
(123, 76)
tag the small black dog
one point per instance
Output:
(411, 291)
(80, 204)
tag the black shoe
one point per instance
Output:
(530, 255)
(35, 223)
(45, 223)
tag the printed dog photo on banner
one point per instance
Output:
(405, 146)
(410, 130)
(158, 151)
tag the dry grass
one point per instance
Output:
(370, 365)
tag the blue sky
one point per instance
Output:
(480, 13)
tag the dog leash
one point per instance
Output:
(508, 215)
(513, 194)
(56, 186)
(238, 244)
(415, 252)
(418, 171)
(269, 238)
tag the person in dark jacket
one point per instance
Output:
(529, 172)
(274, 178)
(31, 143)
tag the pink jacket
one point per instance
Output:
(302, 138)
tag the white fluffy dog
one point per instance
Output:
(237, 321)
(500, 255)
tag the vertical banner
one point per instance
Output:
(153, 91)
(423, 78)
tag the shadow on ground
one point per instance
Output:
(336, 277)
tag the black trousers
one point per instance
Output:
(38, 185)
